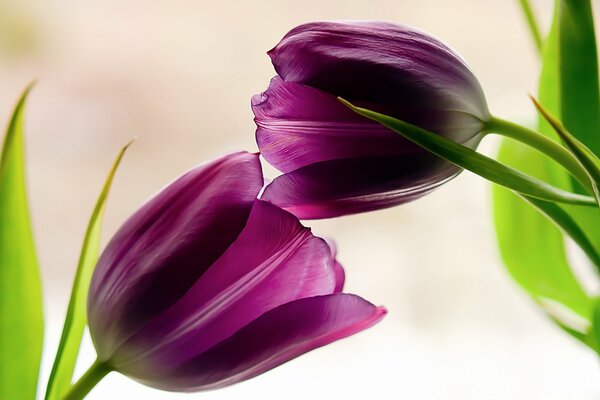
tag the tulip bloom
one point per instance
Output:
(336, 162)
(205, 286)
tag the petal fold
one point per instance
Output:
(349, 186)
(298, 125)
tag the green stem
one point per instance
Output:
(543, 144)
(92, 376)
(534, 28)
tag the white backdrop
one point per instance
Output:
(179, 74)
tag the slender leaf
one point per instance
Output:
(21, 315)
(532, 247)
(578, 60)
(473, 161)
(76, 319)
(580, 100)
(533, 25)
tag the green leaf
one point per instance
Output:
(565, 221)
(76, 319)
(578, 61)
(21, 315)
(533, 249)
(533, 25)
(473, 161)
(579, 98)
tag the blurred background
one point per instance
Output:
(179, 75)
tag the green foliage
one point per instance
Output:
(76, 319)
(21, 314)
(568, 90)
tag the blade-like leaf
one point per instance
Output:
(578, 60)
(533, 249)
(68, 349)
(21, 315)
(533, 25)
(473, 161)
(579, 107)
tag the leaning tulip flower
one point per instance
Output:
(205, 286)
(336, 162)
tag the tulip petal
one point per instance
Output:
(274, 261)
(298, 125)
(168, 244)
(276, 337)
(348, 186)
(380, 63)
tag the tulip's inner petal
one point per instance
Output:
(162, 249)
(390, 65)
(276, 337)
(298, 125)
(275, 260)
(349, 186)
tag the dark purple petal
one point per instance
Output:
(349, 186)
(337, 163)
(298, 125)
(392, 68)
(274, 261)
(162, 249)
(276, 337)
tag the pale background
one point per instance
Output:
(179, 74)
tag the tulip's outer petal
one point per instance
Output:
(349, 186)
(276, 337)
(298, 125)
(274, 261)
(395, 68)
(162, 249)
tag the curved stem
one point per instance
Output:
(543, 144)
(533, 25)
(92, 376)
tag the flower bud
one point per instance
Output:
(205, 286)
(336, 162)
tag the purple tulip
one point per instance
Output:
(336, 162)
(205, 286)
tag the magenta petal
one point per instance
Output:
(276, 337)
(298, 125)
(164, 247)
(274, 261)
(349, 186)
(396, 66)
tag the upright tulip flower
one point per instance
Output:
(205, 286)
(336, 162)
